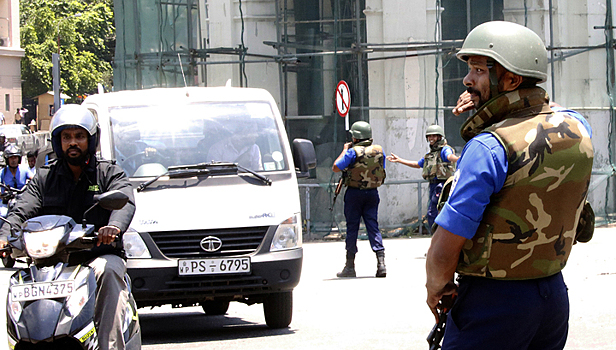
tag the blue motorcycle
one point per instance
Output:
(50, 303)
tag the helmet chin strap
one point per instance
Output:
(493, 77)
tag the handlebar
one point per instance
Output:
(11, 191)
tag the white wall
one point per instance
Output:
(10, 58)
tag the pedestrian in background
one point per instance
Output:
(515, 204)
(18, 116)
(438, 165)
(364, 166)
(2, 118)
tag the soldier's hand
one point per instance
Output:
(393, 158)
(435, 296)
(464, 104)
(107, 234)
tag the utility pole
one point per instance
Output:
(55, 59)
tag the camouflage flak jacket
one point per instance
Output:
(434, 166)
(529, 226)
(367, 171)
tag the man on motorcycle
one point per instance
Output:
(67, 187)
(14, 174)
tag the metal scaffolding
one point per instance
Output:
(317, 43)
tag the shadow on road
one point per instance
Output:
(161, 328)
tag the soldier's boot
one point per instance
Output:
(349, 267)
(381, 271)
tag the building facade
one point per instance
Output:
(398, 58)
(10, 59)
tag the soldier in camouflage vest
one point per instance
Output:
(438, 165)
(517, 196)
(363, 164)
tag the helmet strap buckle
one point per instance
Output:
(493, 77)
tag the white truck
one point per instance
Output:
(218, 214)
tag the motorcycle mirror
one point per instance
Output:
(13, 226)
(112, 200)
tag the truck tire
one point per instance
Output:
(215, 308)
(8, 261)
(278, 309)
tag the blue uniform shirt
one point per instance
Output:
(445, 152)
(575, 115)
(482, 169)
(18, 181)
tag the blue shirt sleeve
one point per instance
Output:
(481, 172)
(421, 163)
(575, 115)
(348, 159)
(445, 152)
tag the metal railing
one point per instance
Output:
(332, 186)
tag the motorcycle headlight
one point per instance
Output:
(43, 244)
(288, 234)
(134, 246)
(77, 300)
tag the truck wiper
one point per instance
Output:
(203, 169)
(179, 172)
(263, 179)
(144, 185)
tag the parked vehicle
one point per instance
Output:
(21, 136)
(8, 199)
(50, 303)
(218, 216)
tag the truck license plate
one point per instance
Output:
(213, 266)
(42, 290)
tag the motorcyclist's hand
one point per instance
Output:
(2, 245)
(348, 145)
(107, 234)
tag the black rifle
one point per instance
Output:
(337, 191)
(438, 331)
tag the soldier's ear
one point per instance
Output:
(510, 81)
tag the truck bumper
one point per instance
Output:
(156, 281)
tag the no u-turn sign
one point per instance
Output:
(343, 98)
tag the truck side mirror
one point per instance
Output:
(304, 157)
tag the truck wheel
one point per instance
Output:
(215, 308)
(8, 261)
(278, 309)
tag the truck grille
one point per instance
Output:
(186, 244)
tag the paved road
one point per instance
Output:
(371, 313)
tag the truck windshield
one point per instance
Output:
(149, 139)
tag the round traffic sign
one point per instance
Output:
(343, 98)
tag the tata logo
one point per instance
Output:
(211, 244)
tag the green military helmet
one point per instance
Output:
(435, 130)
(361, 130)
(515, 47)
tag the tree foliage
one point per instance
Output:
(86, 36)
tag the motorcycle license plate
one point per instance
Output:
(213, 266)
(42, 290)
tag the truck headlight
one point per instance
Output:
(134, 246)
(288, 234)
(43, 244)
